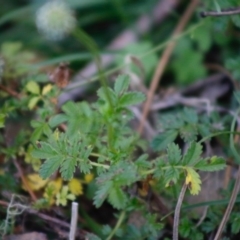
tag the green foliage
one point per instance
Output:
(65, 153)
(176, 165)
(96, 137)
(185, 124)
(187, 230)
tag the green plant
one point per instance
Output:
(89, 151)
(98, 136)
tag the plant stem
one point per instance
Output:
(99, 165)
(85, 39)
(98, 155)
(177, 211)
(119, 222)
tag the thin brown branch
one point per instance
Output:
(30, 191)
(10, 92)
(231, 201)
(164, 60)
(177, 211)
(224, 12)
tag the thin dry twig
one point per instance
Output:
(223, 12)
(10, 92)
(177, 211)
(164, 60)
(41, 215)
(231, 201)
(31, 193)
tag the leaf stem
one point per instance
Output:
(119, 222)
(90, 44)
(99, 165)
(98, 155)
(150, 171)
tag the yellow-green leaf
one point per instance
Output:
(33, 87)
(46, 89)
(193, 181)
(35, 182)
(75, 187)
(33, 102)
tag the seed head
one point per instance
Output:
(55, 20)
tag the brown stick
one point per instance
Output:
(163, 62)
(10, 92)
(31, 193)
(177, 211)
(225, 12)
(232, 199)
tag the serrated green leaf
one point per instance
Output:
(188, 133)
(68, 167)
(70, 108)
(33, 87)
(213, 164)
(203, 130)
(57, 120)
(174, 153)
(104, 93)
(117, 198)
(69, 150)
(37, 133)
(44, 151)
(193, 154)
(33, 102)
(50, 166)
(121, 84)
(124, 173)
(143, 162)
(102, 193)
(190, 116)
(131, 98)
(161, 141)
(170, 121)
(171, 175)
(84, 167)
(152, 227)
